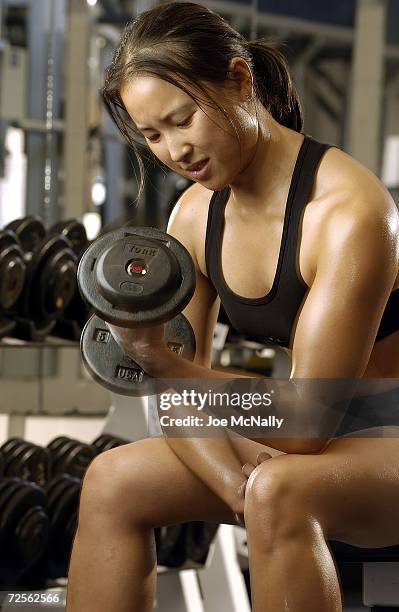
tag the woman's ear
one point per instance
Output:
(241, 78)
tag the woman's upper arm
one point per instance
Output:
(356, 269)
(357, 266)
(187, 223)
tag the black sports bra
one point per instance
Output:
(272, 318)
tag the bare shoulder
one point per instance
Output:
(348, 197)
(188, 221)
(347, 186)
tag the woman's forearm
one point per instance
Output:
(167, 364)
(214, 462)
(294, 410)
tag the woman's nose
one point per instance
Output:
(179, 151)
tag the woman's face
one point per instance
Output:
(181, 135)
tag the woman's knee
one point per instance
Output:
(116, 482)
(275, 500)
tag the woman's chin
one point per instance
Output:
(214, 184)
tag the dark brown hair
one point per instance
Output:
(189, 45)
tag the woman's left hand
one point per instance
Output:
(247, 470)
(142, 344)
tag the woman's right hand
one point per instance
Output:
(247, 470)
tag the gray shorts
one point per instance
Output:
(371, 415)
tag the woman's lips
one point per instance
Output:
(201, 171)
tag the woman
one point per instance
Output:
(317, 272)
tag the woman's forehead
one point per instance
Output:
(146, 94)
(147, 88)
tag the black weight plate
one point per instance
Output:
(31, 537)
(55, 444)
(13, 453)
(26, 495)
(65, 483)
(12, 269)
(54, 480)
(56, 449)
(9, 487)
(74, 458)
(114, 444)
(100, 441)
(137, 273)
(199, 536)
(66, 504)
(52, 487)
(63, 527)
(171, 551)
(2, 464)
(113, 369)
(78, 460)
(12, 281)
(74, 230)
(5, 482)
(71, 525)
(64, 447)
(32, 463)
(179, 298)
(46, 275)
(16, 520)
(17, 450)
(58, 283)
(107, 441)
(30, 231)
(9, 451)
(10, 444)
(59, 455)
(27, 448)
(57, 496)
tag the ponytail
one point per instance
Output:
(273, 84)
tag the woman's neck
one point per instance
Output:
(270, 166)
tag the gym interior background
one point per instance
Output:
(62, 159)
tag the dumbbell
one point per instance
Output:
(134, 277)
(50, 279)
(70, 456)
(26, 460)
(24, 525)
(12, 277)
(71, 324)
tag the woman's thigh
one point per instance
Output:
(147, 483)
(353, 486)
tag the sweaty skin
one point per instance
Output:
(348, 208)
(348, 285)
(348, 256)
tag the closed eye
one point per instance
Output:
(186, 122)
(182, 124)
(152, 138)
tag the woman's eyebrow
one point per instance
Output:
(166, 117)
